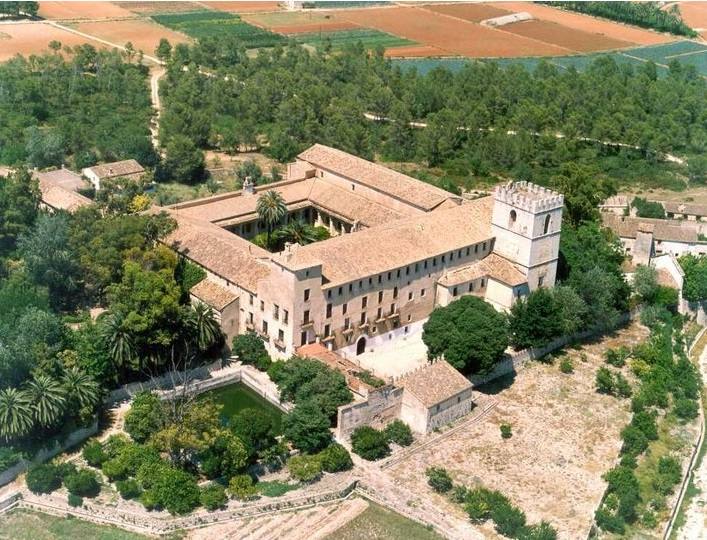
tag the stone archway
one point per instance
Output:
(360, 345)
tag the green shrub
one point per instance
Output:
(43, 478)
(458, 494)
(335, 458)
(622, 388)
(438, 479)
(476, 506)
(74, 500)
(646, 423)
(369, 443)
(609, 521)
(604, 381)
(506, 431)
(617, 357)
(250, 349)
(566, 365)
(213, 497)
(115, 469)
(399, 432)
(304, 468)
(241, 487)
(145, 416)
(8, 457)
(307, 427)
(83, 483)
(649, 520)
(150, 501)
(540, 531)
(635, 441)
(623, 483)
(114, 444)
(669, 475)
(275, 488)
(94, 454)
(509, 520)
(686, 409)
(128, 489)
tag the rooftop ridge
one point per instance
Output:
(528, 196)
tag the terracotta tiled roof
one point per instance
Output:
(346, 367)
(64, 178)
(222, 252)
(666, 279)
(493, 266)
(685, 208)
(400, 186)
(394, 245)
(213, 294)
(60, 198)
(434, 383)
(663, 229)
(117, 168)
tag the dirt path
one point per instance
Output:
(156, 74)
(695, 526)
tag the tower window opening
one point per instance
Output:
(512, 218)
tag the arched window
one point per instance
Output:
(512, 218)
(547, 224)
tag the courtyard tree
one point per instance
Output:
(369, 443)
(271, 210)
(145, 417)
(250, 349)
(468, 333)
(203, 325)
(535, 320)
(307, 427)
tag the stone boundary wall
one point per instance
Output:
(380, 407)
(147, 523)
(75, 437)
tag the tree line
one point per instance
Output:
(643, 14)
(287, 98)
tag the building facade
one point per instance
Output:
(399, 248)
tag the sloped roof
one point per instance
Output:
(213, 294)
(685, 208)
(64, 178)
(434, 383)
(60, 198)
(394, 245)
(117, 168)
(663, 229)
(222, 252)
(378, 177)
(493, 266)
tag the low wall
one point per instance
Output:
(514, 362)
(45, 454)
(381, 407)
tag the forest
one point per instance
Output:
(19, 9)
(287, 99)
(644, 14)
(92, 106)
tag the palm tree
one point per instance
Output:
(15, 413)
(301, 233)
(205, 327)
(81, 387)
(271, 209)
(121, 348)
(48, 399)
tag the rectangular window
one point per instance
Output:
(281, 336)
(483, 282)
(328, 311)
(251, 299)
(451, 256)
(262, 306)
(360, 284)
(471, 286)
(380, 278)
(410, 295)
(398, 273)
(484, 247)
(454, 292)
(364, 302)
(344, 308)
(417, 267)
(306, 295)
(265, 327)
(327, 330)
(250, 317)
(380, 296)
(468, 250)
(303, 338)
(541, 280)
(379, 314)
(407, 270)
(341, 290)
(392, 308)
(363, 318)
(422, 292)
(305, 319)
(459, 253)
(389, 274)
(285, 316)
(434, 261)
(476, 248)
(395, 292)
(443, 259)
(347, 323)
(370, 281)
(328, 293)
(425, 264)
(350, 287)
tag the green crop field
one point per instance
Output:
(341, 38)
(26, 525)
(202, 24)
(686, 52)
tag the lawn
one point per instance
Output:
(342, 38)
(218, 24)
(378, 522)
(26, 525)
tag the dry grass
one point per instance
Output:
(565, 436)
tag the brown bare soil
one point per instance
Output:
(81, 10)
(565, 437)
(453, 36)
(33, 37)
(328, 26)
(469, 12)
(143, 34)
(695, 15)
(153, 8)
(577, 40)
(413, 51)
(588, 24)
(244, 7)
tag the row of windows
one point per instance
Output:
(275, 311)
(470, 288)
(424, 265)
(364, 304)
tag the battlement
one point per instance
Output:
(528, 196)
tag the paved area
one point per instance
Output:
(394, 359)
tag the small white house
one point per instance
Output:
(128, 168)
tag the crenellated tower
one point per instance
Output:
(526, 223)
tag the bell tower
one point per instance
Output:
(526, 223)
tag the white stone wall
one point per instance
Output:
(380, 407)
